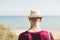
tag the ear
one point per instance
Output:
(40, 19)
(29, 19)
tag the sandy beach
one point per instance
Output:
(56, 33)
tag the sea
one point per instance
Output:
(22, 22)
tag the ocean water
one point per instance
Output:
(22, 22)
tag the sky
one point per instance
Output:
(23, 7)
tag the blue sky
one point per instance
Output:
(23, 7)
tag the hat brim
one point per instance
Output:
(34, 16)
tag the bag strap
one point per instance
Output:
(49, 35)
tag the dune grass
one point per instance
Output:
(6, 34)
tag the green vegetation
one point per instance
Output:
(6, 34)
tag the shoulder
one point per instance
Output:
(23, 36)
(45, 31)
(23, 33)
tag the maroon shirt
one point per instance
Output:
(41, 35)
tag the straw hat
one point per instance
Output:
(34, 14)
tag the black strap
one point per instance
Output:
(36, 37)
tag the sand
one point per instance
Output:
(56, 33)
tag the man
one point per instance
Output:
(35, 32)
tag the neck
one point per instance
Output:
(35, 27)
